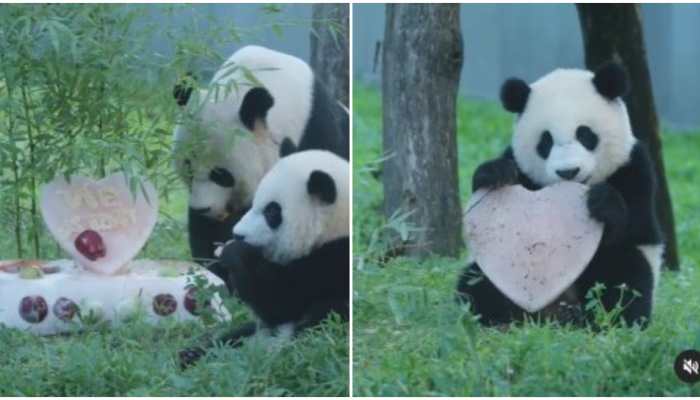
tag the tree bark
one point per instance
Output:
(421, 66)
(330, 57)
(614, 32)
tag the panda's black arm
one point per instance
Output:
(204, 232)
(234, 338)
(636, 183)
(606, 205)
(499, 172)
(201, 236)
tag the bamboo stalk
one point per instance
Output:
(32, 179)
(15, 165)
(18, 211)
(17, 185)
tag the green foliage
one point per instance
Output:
(412, 338)
(82, 91)
(80, 94)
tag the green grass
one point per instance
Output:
(140, 359)
(410, 338)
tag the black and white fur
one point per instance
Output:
(289, 260)
(573, 125)
(235, 131)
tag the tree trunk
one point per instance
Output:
(421, 65)
(614, 32)
(329, 48)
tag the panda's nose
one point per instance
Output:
(238, 237)
(568, 174)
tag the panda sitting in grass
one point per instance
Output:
(572, 125)
(231, 132)
(289, 259)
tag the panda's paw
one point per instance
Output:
(495, 173)
(220, 248)
(239, 254)
(606, 205)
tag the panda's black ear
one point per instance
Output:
(611, 81)
(287, 147)
(256, 103)
(514, 94)
(322, 186)
(183, 89)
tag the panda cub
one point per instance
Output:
(289, 259)
(258, 101)
(573, 125)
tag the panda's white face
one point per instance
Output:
(220, 158)
(301, 204)
(235, 108)
(568, 131)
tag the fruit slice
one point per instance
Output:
(33, 309)
(164, 304)
(30, 273)
(190, 302)
(65, 309)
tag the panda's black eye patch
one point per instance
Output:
(587, 137)
(221, 177)
(545, 144)
(273, 214)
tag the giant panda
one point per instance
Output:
(572, 125)
(259, 100)
(289, 259)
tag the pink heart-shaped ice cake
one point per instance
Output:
(105, 212)
(532, 245)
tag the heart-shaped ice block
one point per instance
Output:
(124, 220)
(532, 245)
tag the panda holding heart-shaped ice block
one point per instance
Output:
(572, 125)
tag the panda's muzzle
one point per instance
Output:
(568, 174)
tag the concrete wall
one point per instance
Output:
(250, 20)
(528, 40)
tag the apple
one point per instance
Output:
(90, 244)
